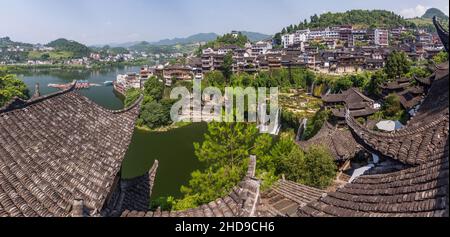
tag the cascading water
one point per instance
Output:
(301, 129)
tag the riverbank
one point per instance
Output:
(23, 68)
(163, 129)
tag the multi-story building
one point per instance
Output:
(296, 39)
(381, 37)
(424, 38)
(323, 34)
(260, 48)
(357, 36)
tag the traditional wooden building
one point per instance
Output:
(352, 99)
(339, 141)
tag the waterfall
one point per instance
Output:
(312, 88)
(301, 129)
(277, 126)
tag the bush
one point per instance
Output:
(11, 87)
(154, 88)
(154, 115)
(392, 105)
(131, 96)
(397, 65)
(318, 168)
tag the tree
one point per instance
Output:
(227, 66)
(207, 186)
(291, 165)
(441, 57)
(392, 105)
(225, 153)
(397, 65)
(154, 115)
(215, 78)
(278, 153)
(318, 169)
(154, 88)
(45, 56)
(227, 144)
(131, 96)
(362, 18)
(11, 87)
(373, 88)
(342, 84)
(277, 39)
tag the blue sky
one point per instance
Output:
(110, 21)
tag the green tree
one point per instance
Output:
(215, 78)
(377, 79)
(292, 164)
(45, 56)
(397, 65)
(11, 87)
(318, 168)
(227, 144)
(342, 84)
(227, 66)
(441, 57)
(154, 115)
(131, 96)
(208, 185)
(392, 105)
(278, 153)
(225, 153)
(154, 88)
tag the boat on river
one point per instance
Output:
(108, 83)
(78, 85)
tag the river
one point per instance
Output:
(173, 149)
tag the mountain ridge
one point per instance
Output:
(192, 39)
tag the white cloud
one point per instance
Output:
(419, 10)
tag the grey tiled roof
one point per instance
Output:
(57, 149)
(422, 189)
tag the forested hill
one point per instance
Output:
(435, 12)
(357, 18)
(6, 42)
(426, 22)
(77, 49)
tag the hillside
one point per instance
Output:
(202, 37)
(7, 42)
(426, 21)
(254, 36)
(76, 49)
(151, 48)
(430, 13)
(208, 37)
(358, 18)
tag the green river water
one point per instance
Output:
(173, 149)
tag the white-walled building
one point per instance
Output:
(381, 37)
(296, 38)
(326, 33)
(260, 47)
